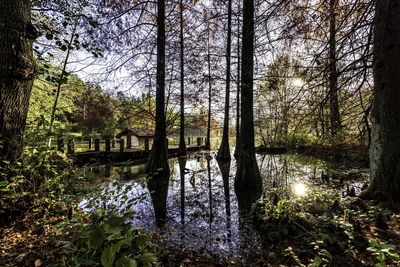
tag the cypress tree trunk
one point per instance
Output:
(385, 114)
(16, 74)
(248, 183)
(182, 145)
(224, 151)
(333, 76)
(158, 160)
(237, 148)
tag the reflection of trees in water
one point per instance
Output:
(182, 167)
(274, 170)
(158, 187)
(225, 167)
(196, 204)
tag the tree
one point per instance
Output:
(333, 76)
(224, 151)
(385, 114)
(208, 139)
(237, 147)
(248, 178)
(16, 76)
(158, 159)
(182, 145)
(60, 81)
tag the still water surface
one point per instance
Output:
(196, 207)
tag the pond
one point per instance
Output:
(196, 208)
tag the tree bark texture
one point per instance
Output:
(385, 114)
(248, 179)
(16, 74)
(182, 145)
(237, 147)
(224, 152)
(158, 160)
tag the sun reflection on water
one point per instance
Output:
(300, 189)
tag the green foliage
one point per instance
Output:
(295, 139)
(112, 242)
(38, 119)
(37, 183)
(317, 219)
(384, 253)
(323, 258)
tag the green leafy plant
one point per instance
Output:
(112, 242)
(383, 253)
(42, 182)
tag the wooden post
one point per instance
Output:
(60, 145)
(146, 144)
(113, 143)
(90, 143)
(97, 144)
(108, 170)
(167, 141)
(198, 141)
(121, 145)
(108, 144)
(71, 147)
(128, 141)
(188, 140)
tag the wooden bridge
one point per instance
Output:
(114, 150)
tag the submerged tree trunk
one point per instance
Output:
(248, 183)
(182, 145)
(237, 148)
(158, 160)
(224, 152)
(385, 114)
(333, 75)
(16, 75)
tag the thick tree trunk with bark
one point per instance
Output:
(224, 152)
(237, 148)
(16, 74)
(248, 183)
(333, 76)
(385, 114)
(182, 145)
(158, 160)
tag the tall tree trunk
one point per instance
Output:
(16, 75)
(248, 183)
(385, 114)
(182, 145)
(158, 160)
(224, 152)
(208, 140)
(237, 148)
(59, 84)
(333, 76)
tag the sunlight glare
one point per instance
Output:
(298, 82)
(300, 189)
